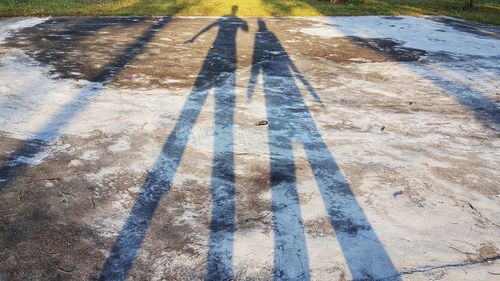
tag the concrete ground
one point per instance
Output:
(340, 148)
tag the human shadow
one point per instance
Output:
(12, 168)
(290, 122)
(218, 72)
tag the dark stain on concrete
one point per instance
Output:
(392, 18)
(82, 48)
(390, 48)
(79, 48)
(481, 30)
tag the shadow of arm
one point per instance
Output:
(304, 81)
(254, 75)
(207, 28)
(244, 26)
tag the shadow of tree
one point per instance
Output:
(11, 168)
(74, 46)
(484, 107)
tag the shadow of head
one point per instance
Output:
(234, 10)
(262, 25)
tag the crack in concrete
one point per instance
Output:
(427, 268)
(254, 219)
(452, 265)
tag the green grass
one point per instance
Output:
(486, 11)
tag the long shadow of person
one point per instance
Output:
(218, 72)
(290, 122)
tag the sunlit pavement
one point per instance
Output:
(339, 148)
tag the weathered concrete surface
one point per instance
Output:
(380, 159)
